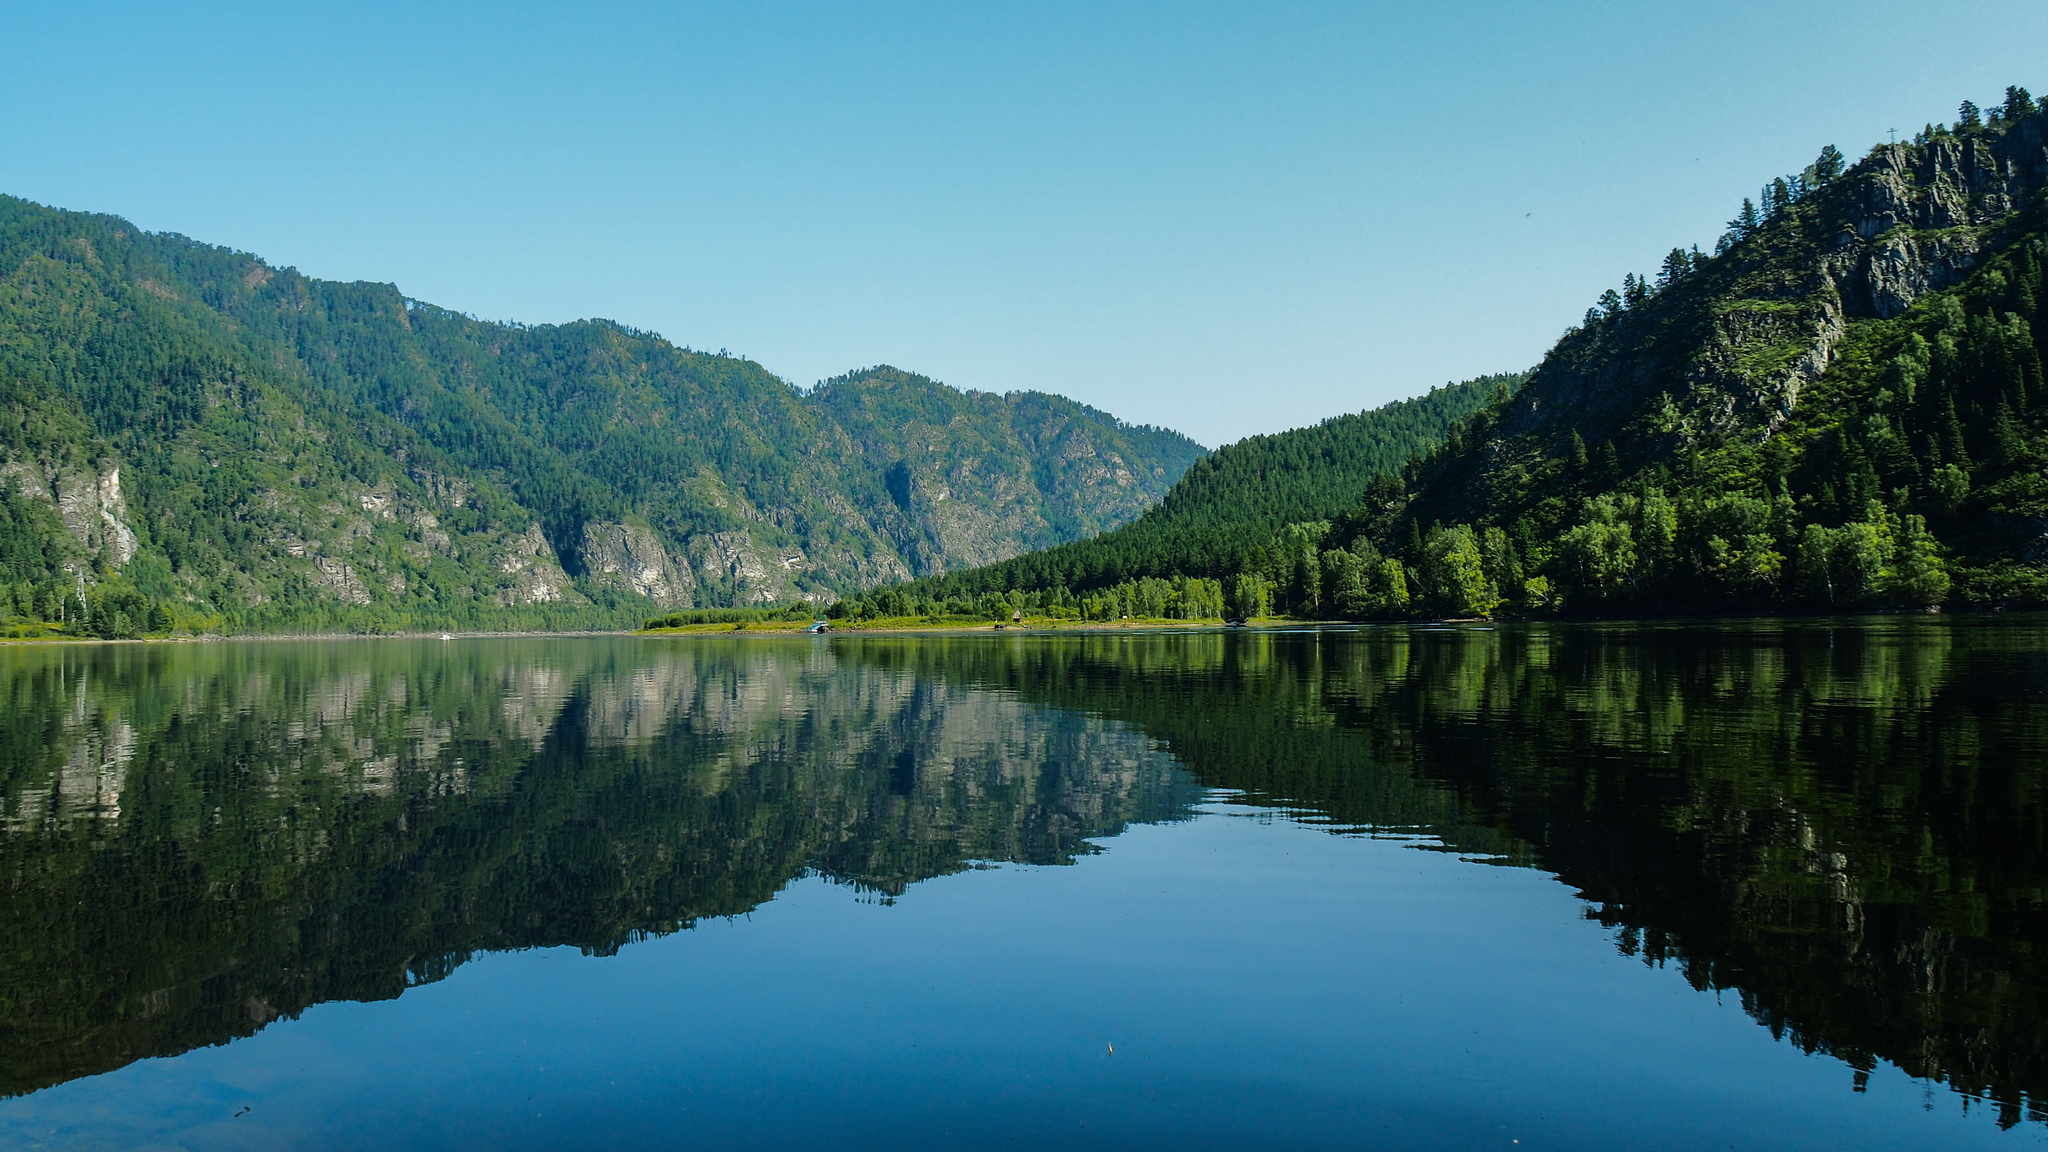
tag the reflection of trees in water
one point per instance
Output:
(199, 839)
(1845, 825)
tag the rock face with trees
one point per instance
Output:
(1842, 406)
(1248, 519)
(192, 438)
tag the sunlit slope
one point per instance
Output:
(1844, 406)
(1225, 513)
(206, 440)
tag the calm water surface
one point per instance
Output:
(1771, 885)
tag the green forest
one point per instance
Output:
(1841, 407)
(1238, 521)
(192, 440)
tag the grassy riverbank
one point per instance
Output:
(950, 624)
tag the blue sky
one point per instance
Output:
(1227, 220)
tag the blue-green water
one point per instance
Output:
(1775, 885)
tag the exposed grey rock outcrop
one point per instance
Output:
(1731, 349)
(93, 508)
(749, 572)
(536, 572)
(337, 579)
(633, 557)
(89, 503)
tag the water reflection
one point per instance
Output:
(1841, 824)
(202, 839)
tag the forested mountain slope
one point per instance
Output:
(1232, 510)
(1843, 406)
(193, 437)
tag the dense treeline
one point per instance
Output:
(1842, 407)
(1179, 597)
(801, 610)
(1228, 519)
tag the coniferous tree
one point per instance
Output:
(1969, 116)
(1828, 166)
(1676, 264)
(1610, 463)
(1746, 221)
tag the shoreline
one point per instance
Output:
(907, 626)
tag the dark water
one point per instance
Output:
(1755, 886)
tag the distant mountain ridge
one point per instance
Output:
(1231, 514)
(194, 437)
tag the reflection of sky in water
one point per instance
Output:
(1263, 984)
(243, 831)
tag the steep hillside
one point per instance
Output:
(981, 477)
(1230, 514)
(194, 438)
(1844, 406)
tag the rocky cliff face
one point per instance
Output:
(973, 477)
(537, 573)
(711, 567)
(631, 556)
(1725, 352)
(88, 502)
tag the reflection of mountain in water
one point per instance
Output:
(1845, 825)
(199, 839)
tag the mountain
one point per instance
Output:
(1841, 407)
(194, 438)
(1226, 513)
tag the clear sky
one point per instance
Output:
(1226, 220)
